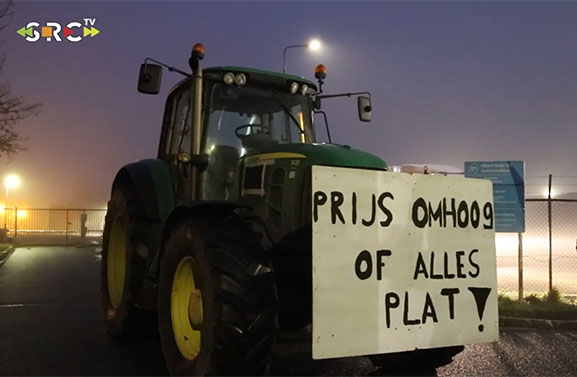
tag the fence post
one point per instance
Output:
(83, 229)
(520, 266)
(66, 227)
(550, 236)
(15, 224)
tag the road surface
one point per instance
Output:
(50, 324)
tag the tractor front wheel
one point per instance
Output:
(217, 299)
(118, 275)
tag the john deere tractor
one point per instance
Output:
(214, 234)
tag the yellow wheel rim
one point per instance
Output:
(116, 264)
(186, 310)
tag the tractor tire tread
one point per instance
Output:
(245, 323)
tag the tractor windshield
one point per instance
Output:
(250, 117)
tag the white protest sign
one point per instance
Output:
(401, 262)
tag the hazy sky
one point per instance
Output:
(450, 81)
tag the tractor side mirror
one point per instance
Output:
(149, 78)
(364, 107)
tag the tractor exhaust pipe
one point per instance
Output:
(196, 56)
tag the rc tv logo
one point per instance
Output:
(53, 31)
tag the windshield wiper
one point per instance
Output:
(287, 111)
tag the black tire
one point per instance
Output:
(239, 315)
(122, 319)
(415, 361)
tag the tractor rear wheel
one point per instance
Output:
(117, 272)
(415, 361)
(217, 299)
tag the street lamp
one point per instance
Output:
(10, 181)
(314, 45)
(549, 192)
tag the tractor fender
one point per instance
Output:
(153, 185)
(199, 208)
(196, 209)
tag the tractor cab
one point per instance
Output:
(244, 110)
(217, 118)
(248, 114)
(257, 113)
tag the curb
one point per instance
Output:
(538, 323)
(5, 254)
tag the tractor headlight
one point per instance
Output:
(228, 78)
(240, 79)
(294, 87)
(304, 89)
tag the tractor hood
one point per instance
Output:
(320, 154)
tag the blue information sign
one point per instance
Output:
(508, 179)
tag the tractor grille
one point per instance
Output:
(305, 200)
(274, 200)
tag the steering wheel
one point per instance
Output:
(262, 129)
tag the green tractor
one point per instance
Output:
(214, 235)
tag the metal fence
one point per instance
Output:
(33, 226)
(548, 253)
(533, 268)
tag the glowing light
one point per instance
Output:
(546, 193)
(240, 79)
(315, 45)
(320, 72)
(12, 181)
(294, 87)
(22, 213)
(228, 78)
(302, 126)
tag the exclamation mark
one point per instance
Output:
(480, 295)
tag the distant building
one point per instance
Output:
(428, 169)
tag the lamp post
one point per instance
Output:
(314, 45)
(11, 181)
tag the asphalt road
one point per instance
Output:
(50, 324)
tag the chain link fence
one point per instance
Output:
(537, 257)
(33, 226)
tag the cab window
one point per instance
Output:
(177, 138)
(249, 117)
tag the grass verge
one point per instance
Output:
(549, 306)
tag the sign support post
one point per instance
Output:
(520, 262)
(550, 237)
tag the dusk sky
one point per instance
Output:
(450, 82)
